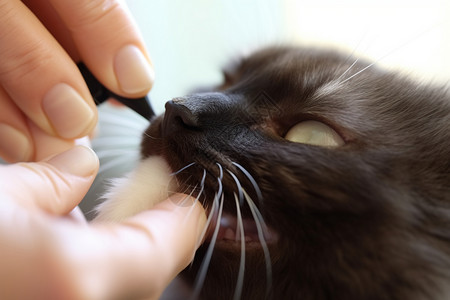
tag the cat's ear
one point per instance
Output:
(314, 133)
(231, 72)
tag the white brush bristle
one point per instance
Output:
(140, 190)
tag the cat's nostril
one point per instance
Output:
(178, 116)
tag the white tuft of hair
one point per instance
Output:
(149, 183)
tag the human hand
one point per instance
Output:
(47, 253)
(40, 85)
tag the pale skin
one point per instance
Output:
(39, 79)
(48, 250)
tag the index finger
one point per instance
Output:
(109, 43)
(40, 78)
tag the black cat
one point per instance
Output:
(324, 179)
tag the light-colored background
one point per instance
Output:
(189, 41)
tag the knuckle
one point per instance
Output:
(21, 50)
(57, 187)
(24, 63)
(60, 186)
(94, 12)
(7, 9)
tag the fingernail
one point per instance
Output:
(133, 72)
(15, 145)
(67, 111)
(79, 161)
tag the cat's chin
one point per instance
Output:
(229, 233)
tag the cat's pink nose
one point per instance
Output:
(178, 117)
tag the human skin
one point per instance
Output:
(49, 251)
(40, 85)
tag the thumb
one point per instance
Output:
(55, 186)
(133, 259)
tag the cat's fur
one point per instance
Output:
(366, 220)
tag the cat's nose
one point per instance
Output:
(178, 116)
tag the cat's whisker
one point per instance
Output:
(348, 69)
(252, 180)
(172, 191)
(220, 171)
(182, 169)
(240, 278)
(410, 40)
(359, 72)
(207, 259)
(197, 199)
(351, 55)
(239, 187)
(151, 137)
(202, 184)
(185, 200)
(192, 188)
(213, 210)
(188, 187)
(261, 227)
(202, 187)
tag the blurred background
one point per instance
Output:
(189, 42)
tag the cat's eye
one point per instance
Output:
(314, 133)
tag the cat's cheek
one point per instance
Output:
(149, 183)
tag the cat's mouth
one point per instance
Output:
(230, 231)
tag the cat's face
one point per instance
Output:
(340, 178)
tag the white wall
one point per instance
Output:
(411, 35)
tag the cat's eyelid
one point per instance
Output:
(314, 133)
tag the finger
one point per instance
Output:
(20, 142)
(55, 186)
(109, 43)
(48, 16)
(40, 77)
(133, 260)
(25, 259)
(22, 263)
(46, 145)
(15, 138)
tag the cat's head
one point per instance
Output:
(339, 173)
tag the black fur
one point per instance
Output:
(367, 220)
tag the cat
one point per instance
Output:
(325, 177)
